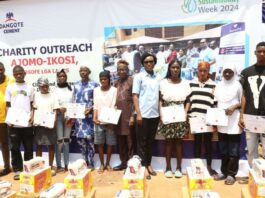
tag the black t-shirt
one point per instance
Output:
(253, 82)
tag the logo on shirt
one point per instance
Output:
(21, 92)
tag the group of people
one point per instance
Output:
(140, 98)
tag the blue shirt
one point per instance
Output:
(83, 93)
(147, 87)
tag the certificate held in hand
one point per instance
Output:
(45, 119)
(216, 116)
(173, 114)
(109, 115)
(254, 124)
(198, 125)
(75, 110)
(17, 117)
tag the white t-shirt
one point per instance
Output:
(64, 95)
(104, 98)
(45, 102)
(174, 91)
(20, 95)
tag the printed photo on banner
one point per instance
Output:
(190, 44)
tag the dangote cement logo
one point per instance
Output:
(209, 6)
(10, 24)
(189, 6)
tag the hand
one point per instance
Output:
(131, 121)
(139, 119)
(229, 111)
(241, 123)
(31, 119)
(62, 110)
(96, 121)
(215, 129)
(87, 110)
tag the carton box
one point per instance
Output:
(255, 185)
(199, 186)
(36, 181)
(78, 186)
(259, 168)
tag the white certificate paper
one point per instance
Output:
(18, 117)
(45, 119)
(75, 110)
(216, 116)
(254, 124)
(173, 114)
(109, 115)
(198, 125)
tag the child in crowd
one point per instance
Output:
(104, 96)
(64, 93)
(45, 101)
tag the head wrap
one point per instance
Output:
(42, 81)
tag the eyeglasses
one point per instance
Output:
(146, 62)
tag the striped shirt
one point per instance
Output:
(201, 97)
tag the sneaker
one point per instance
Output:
(178, 174)
(168, 174)
(59, 169)
(16, 176)
(5, 172)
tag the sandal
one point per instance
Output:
(16, 176)
(108, 168)
(230, 180)
(101, 169)
(219, 177)
(212, 172)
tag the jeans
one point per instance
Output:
(63, 139)
(18, 136)
(252, 145)
(206, 138)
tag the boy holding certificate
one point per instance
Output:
(228, 95)
(19, 95)
(46, 102)
(173, 92)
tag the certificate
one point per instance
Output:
(216, 116)
(18, 117)
(109, 115)
(198, 125)
(254, 124)
(45, 119)
(75, 110)
(172, 114)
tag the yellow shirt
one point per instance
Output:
(3, 86)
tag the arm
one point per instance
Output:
(95, 117)
(137, 108)
(243, 108)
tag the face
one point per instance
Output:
(19, 74)
(122, 71)
(84, 73)
(203, 43)
(44, 89)
(104, 81)
(228, 74)
(260, 54)
(175, 70)
(181, 53)
(161, 48)
(61, 78)
(171, 47)
(2, 72)
(190, 45)
(149, 63)
(203, 73)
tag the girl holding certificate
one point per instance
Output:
(202, 98)
(173, 92)
(45, 101)
(228, 95)
(104, 96)
(64, 92)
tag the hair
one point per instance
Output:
(145, 55)
(18, 67)
(2, 65)
(260, 44)
(123, 62)
(168, 75)
(106, 74)
(66, 83)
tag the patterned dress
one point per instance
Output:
(84, 128)
(173, 94)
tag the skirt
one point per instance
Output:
(45, 136)
(173, 130)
